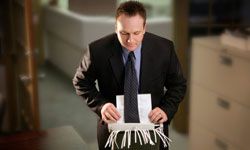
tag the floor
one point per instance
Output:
(59, 106)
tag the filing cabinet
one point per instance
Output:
(220, 96)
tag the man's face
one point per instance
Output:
(130, 31)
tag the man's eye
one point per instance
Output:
(123, 33)
(137, 33)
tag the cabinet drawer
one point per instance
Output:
(221, 72)
(202, 139)
(223, 116)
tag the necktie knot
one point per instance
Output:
(131, 55)
(131, 58)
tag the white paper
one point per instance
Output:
(144, 107)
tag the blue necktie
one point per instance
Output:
(130, 91)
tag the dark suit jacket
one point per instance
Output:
(160, 75)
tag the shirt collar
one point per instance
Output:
(137, 52)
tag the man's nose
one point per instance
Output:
(130, 38)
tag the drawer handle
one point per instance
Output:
(220, 144)
(225, 60)
(223, 103)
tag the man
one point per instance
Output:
(156, 64)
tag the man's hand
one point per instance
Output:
(109, 113)
(157, 115)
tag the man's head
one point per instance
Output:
(130, 24)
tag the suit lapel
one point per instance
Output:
(117, 63)
(146, 65)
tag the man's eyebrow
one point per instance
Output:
(131, 32)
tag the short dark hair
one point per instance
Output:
(131, 8)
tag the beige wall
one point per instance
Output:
(93, 7)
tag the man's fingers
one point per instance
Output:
(152, 112)
(157, 115)
(110, 117)
(110, 113)
(162, 120)
(114, 114)
(107, 120)
(155, 118)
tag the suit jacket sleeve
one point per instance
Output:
(84, 82)
(175, 84)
